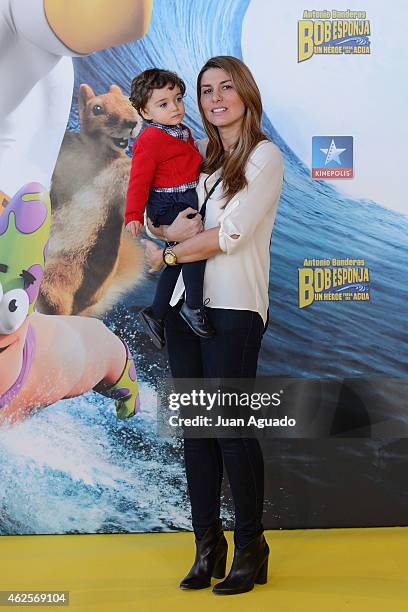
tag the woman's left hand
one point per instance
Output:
(154, 255)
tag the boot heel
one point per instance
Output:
(219, 567)
(262, 576)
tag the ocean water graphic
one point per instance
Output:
(87, 472)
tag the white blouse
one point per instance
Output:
(237, 278)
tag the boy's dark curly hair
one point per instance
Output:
(154, 78)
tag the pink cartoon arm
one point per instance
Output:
(107, 365)
(99, 354)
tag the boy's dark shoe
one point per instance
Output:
(196, 319)
(153, 326)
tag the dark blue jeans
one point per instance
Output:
(231, 353)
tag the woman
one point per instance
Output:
(240, 213)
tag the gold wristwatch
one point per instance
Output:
(169, 256)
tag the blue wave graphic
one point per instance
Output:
(353, 41)
(89, 472)
(355, 287)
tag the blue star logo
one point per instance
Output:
(332, 157)
(332, 153)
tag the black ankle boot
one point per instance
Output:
(196, 319)
(210, 560)
(250, 566)
(153, 326)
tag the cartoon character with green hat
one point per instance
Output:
(45, 358)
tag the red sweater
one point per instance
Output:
(159, 160)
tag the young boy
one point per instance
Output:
(163, 178)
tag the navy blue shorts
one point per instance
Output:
(163, 208)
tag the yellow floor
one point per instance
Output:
(309, 570)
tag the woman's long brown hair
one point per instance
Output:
(233, 164)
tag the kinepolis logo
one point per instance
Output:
(332, 157)
(333, 33)
(333, 280)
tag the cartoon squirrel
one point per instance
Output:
(47, 358)
(91, 261)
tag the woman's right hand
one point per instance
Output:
(183, 228)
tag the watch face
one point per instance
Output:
(170, 258)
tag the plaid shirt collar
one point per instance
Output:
(178, 131)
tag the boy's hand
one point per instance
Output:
(134, 228)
